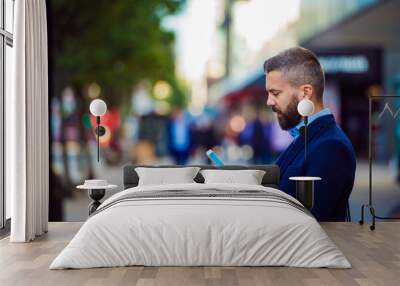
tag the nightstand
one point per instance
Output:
(305, 190)
(96, 191)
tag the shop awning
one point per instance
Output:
(377, 25)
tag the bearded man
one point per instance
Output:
(291, 76)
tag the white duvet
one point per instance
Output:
(200, 231)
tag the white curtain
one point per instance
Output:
(27, 122)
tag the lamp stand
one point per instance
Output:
(305, 185)
(370, 156)
(98, 137)
(305, 141)
(100, 131)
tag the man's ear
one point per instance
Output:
(307, 91)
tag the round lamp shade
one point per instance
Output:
(305, 107)
(98, 107)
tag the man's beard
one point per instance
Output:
(290, 118)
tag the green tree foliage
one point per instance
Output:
(114, 43)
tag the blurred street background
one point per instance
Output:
(182, 76)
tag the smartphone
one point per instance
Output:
(215, 159)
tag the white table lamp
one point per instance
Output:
(305, 185)
(98, 108)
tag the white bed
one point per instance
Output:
(250, 225)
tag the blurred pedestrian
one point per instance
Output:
(179, 138)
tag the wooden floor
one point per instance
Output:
(375, 257)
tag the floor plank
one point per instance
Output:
(374, 255)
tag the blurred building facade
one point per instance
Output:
(357, 45)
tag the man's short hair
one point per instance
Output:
(299, 66)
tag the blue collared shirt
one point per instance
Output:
(295, 131)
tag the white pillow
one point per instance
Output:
(248, 177)
(165, 175)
